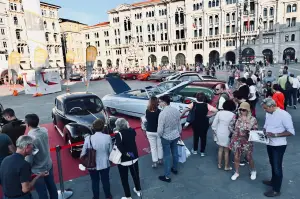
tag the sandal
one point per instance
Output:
(228, 169)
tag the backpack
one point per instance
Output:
(288, 85)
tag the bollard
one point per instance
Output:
(62, 193)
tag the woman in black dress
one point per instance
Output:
(200, 123)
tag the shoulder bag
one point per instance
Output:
(115, 155)
(89, 158)
(191, 116)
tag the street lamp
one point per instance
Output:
(239, 10)
(64, 48)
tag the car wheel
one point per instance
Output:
(134, 77)
(112, 111)
(163, 79)
(148, 78)
(74, 154)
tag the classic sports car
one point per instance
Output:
(144, 76)
(130, 75)
(190, 76)
(74, 114)
(161, 75)
(134, 102)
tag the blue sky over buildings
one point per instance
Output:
(87, 11)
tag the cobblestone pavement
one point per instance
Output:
(197, 178)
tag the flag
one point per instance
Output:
(248, 23)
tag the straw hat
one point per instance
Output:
(246, 106)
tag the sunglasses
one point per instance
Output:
(217, 89)
(243, 110)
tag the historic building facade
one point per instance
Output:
(4, 36)
(17, 33)
(73, 39)
(194, 31)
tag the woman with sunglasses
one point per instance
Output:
(240, 128)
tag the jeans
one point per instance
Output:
(170, 146)
(27, 196)
(231, 81)
(155, 145)
(45, 185)
(134, 170)
(293, 98)
(287, 94)
(275, 154)
(95, 177)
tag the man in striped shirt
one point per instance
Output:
(169, 129)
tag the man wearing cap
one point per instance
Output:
(278, 126)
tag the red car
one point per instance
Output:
(130, 75)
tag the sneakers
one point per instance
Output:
(174, 171)
(154, 165)
(253, 175)
(194, 152)
(164, 179)
(235, 176)
(202, 154)
(138, 193)
(295, 107)
(126, 198)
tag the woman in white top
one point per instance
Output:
(220, 127)
(252, 100)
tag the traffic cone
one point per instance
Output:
(15, 93)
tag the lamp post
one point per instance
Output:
(64, 48)
(239, 10)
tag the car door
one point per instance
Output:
(135, 103)
(60, 116)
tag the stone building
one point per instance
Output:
(3, 36)
(193, 32)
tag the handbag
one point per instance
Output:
(115, 155)
(89, 158)
(191, 116)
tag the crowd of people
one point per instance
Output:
(25, 161)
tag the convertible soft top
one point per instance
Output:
(118, 85)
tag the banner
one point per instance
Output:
(70, 57)
(35, 30)
(91, 54)
(13, 66)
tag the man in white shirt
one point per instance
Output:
(294, 92)
(278, 126)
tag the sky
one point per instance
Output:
(87, 11)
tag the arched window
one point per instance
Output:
(217, 44)
(210, 44)
(197, 6)
(294, 8)
(209, 4)
(129, 25)
(210, 20)
(195, 21)
(230, 43)
(45, 24)
(293, 37)
(253, 41)
(265, 12)
(227, 17)
(217, 3)
(217, 19)
(181, 17)
(213, 3)
(200, 21)
(214, 44)
(147, 14)
(15, 20)
(271, 11)
(159, 12)
(227, 43)
(176, 18)
(194, 7)
(53, 26)
(200, 5)
(289, 8)
(125, 25)
(152, 13)
(233, 42)
(286, 38)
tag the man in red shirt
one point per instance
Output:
(278, 96)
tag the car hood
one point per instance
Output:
(118, 85)
(86, 120)
(177, 88)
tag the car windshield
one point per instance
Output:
(163, 87)
(84, 106)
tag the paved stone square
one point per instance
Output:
(198, 178)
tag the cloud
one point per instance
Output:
(82, 17)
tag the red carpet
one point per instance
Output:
(70, 165)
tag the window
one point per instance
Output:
(293, 37)
(271, 24)
(182, 34)
(18, 35)
(294, 8)
(210, 32)
(153, 37)
(47, 36)
(271, 11)
(227, 17)
(286, 38)
(216, 30)
(210, 20)
(53, 26)
(55, 37)
(293, 21)
(227, 29)
(217, 3)
(288, 8)
(177, 34)
(166, 36)
(233, 29)
(15, 20)
(288, 22)
(200, 21)
(265, 12)
(45, 24)
(2, 31)
(227, 43)
(195, 33)
(4, 44)
(217, 19)
(209, 4)
(1, 20)
(233, 16)
(200, 32)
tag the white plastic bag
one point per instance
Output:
(183, 151)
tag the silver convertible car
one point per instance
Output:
(134, 102)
